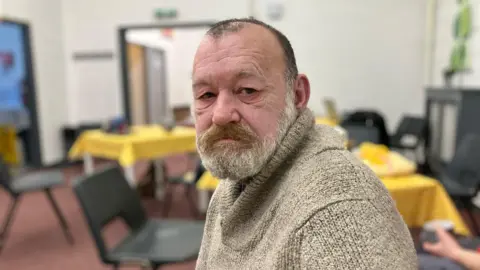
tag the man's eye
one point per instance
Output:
(248, 91)
(207, 95)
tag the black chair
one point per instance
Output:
(189, 186)
(36, 181)
(410, 134)
(412, 126)
(358, 134)
(105, 196)
(369, 120)
(461, 177)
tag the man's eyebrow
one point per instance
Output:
(199, 83)
(248, 74)
(242, 74)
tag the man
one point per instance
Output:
(291, 195)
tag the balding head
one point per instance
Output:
(235, 25)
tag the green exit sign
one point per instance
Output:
(165, 13)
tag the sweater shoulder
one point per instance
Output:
(324, 173)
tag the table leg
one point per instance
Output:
(203, 200)
(159, 179)
(130, 175)
(88, 167)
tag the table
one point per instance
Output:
(142, 143)
(418, 198)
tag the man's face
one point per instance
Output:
(240, 98)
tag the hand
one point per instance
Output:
(446, 246)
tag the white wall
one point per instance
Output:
(92, 25)
(362, 53)
(45, 20)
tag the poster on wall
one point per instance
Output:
(12, 67)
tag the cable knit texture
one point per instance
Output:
(313, 206)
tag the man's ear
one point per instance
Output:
(302, 91)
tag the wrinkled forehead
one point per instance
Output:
(249, 50)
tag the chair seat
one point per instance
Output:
(161, 242)
(37, 181)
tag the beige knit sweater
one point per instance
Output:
(313, 206)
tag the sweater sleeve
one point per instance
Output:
(355, 234)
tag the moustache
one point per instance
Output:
(234, 132)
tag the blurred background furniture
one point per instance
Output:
(16, 187)
(149, 142)
(188, 183)
(366, 126)
(451, 114)
(461, 176)
(106, 195)
(410, 135)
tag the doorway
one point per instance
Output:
(156, 62)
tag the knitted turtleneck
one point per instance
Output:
(313, 206)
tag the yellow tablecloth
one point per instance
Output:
(419, 199)
(325, 121)
(143, 142)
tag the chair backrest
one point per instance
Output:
(5, 176)
(371, 119)
(465, 164)
(358, 134)
(410, 125)
(104, 196)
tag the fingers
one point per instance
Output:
(432, 248)
(443, 235)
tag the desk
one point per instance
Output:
(143, 142)
(419, 199)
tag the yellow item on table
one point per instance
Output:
(143, 142)
(207, 182)
(325, 121)
(384, 162)
(8, 145)
(374, 153)
(419, 199)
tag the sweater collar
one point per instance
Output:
(238, 206)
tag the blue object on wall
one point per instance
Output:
(12, 67)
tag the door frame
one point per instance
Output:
(31, 98)
(122, 33)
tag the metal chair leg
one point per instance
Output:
(8, 222)
(191, 200)
(61, 219)
(167, 199)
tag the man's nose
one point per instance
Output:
(225, 110)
